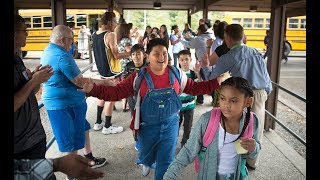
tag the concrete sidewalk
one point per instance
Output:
(278, 161)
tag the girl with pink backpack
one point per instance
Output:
(223, 137)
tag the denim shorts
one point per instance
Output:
(69, 126)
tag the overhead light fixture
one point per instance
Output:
(157, 5)
(253, 8)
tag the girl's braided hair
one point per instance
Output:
(243, 86)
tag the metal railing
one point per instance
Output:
(303, 141)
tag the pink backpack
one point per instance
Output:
(211, 131)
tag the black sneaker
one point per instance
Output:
(99, 162)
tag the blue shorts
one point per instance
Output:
(69, 126)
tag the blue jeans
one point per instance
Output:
(158, 133)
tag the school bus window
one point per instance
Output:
(236, 20)
(268, 23)
(47, 22)
(293, 23)
(247, 22)
(70, 18)
(28, 21)
(36, 22)
(258, 22)
(81, 19)
(303, 23)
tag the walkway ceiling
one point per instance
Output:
(294, 7)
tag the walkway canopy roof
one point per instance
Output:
(294, 7)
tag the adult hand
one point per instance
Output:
(42, 74)
(248, 144)
(76, 166)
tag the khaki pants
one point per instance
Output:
(260, 97)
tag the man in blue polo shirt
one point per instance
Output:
(66, 106)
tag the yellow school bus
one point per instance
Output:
(256, 24)
(39, 22)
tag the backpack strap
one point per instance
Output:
(248, 133)
(210, 131)
(181, 76)
(208, 135)
(137, 80)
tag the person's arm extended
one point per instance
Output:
(38, 77)
(190, 150)
(108, 93)
(112, 44)
(71, 165)
(78, 80)
(200, 88)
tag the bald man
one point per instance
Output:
(66, 106)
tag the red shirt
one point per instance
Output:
(125, 88)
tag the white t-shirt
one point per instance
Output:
(227, 152)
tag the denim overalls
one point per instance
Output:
(158, 131)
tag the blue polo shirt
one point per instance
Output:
(59, 92)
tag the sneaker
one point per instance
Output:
(99, 162)
(97, 126)
(145, 170)
(112, 130)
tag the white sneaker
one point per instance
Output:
(97, 126)
(112, 130)
(145, 170)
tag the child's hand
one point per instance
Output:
(197, 67)
(205, 60)
(86, 87)
(248, 144)
(223, 77)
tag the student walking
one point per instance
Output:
(233, 137)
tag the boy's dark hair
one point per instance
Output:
(184, 52)
(18, 22)
(234, 31)
(137, 47)
(155, 42)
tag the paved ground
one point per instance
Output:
(278, 160)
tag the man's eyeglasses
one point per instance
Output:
(71, 38)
